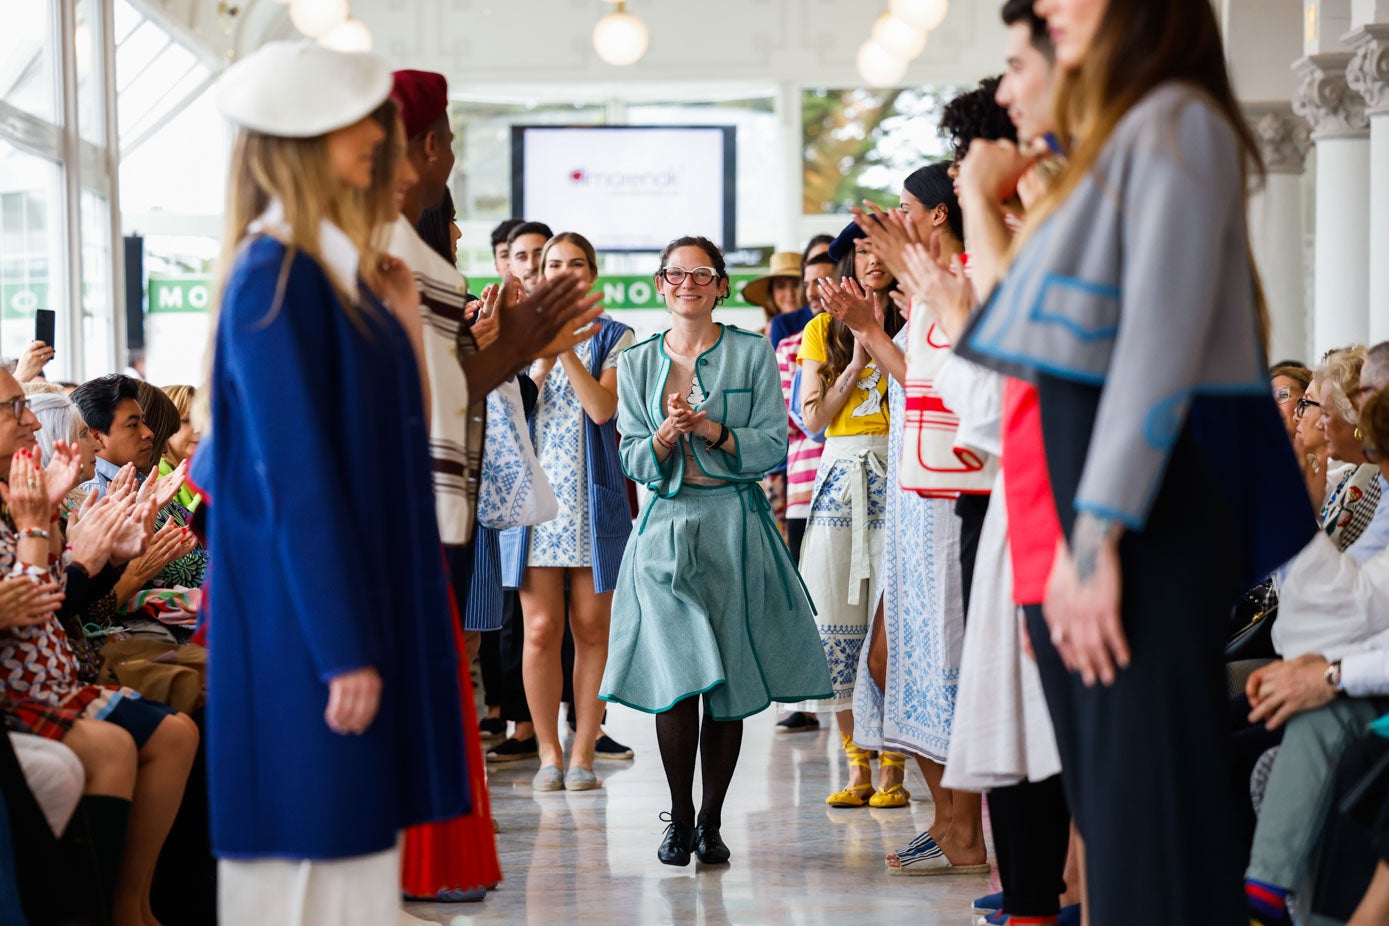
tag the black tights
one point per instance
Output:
(679, 734)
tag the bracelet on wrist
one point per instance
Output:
(724, 434)
(32, 533)
(663, 442)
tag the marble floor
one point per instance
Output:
(590, 857)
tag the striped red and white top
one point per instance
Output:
(803, 454)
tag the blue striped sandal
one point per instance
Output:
(924, 857)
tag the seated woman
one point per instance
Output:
(182, 442)
(135, 754)
(1333, 630)
(1352, 491)
(1290, 382)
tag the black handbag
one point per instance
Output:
(1250, 634)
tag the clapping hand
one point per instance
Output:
(162, 489)
(888, 232)
(848, 302)
(683, 417)
(25, 603)
(550, 320)
(398, 287)
(25, 494)
(171, 542)
(992, 168)
(60, 476)
(941, 284)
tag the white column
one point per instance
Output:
(1341, 133)
(1275, 226)
(1368, 75)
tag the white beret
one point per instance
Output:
(301, 89)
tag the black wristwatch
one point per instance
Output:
(724, 434)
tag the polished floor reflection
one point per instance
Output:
(590, 857)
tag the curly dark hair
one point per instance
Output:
(976, 114)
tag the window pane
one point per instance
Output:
(862, 143)
(98, 310)
(31, 245)
(182, 168)
(90, 102)
(28, 66)
(481, 182)
(760, 178)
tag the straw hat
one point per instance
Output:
(301, 89)
(785, 264)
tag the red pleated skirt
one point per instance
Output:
(458, 854)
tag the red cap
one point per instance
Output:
(422, 96)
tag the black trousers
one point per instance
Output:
(1031, 825)
(1145, 761)
(489, 658)
(795, 536)
(970, 509)
(1353, 843)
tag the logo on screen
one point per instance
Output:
(635, 181)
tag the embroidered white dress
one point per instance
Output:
(559, 444)
(921, 591)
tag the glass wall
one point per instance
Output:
(56, 211)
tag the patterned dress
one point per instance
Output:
(922, 595)
(559, 445)
(41, 689)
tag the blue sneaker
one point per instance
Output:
(1000, 918)
(1070, 916)
(989, 904)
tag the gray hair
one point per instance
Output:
(1375, 371)
(60, 420)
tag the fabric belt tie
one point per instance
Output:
(855, 493)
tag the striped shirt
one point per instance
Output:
(803, 454)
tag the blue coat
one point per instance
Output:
(610, 518)
(324, 557)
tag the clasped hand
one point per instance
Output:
(681, 419)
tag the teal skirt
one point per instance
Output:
(708, 602)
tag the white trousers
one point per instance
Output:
(360, 891)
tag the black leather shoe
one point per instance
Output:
(709, 845)
(678, 842)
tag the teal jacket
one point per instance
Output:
(743, 393)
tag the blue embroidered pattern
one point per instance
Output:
(559, 444)
(923, 619)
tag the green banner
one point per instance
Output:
(638, 291)
(19, 300)
(180, 294)
(621, 292)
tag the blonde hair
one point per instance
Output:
(39, 387)
(377, 201)
(1337, 377)
(579, 241)
(296, 172)
(1139, 46)
(182, 397)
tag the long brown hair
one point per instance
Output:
(1140, 45)
(839, 340)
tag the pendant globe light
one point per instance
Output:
(879, 67)
(352, 35)
(923, 14)
(316, 18)
(900, 38)
(620, 38)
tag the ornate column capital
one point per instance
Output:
(1368, 71)
(1284, 137)
(1326, 101)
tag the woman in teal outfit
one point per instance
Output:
(707, 600)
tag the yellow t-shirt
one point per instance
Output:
(865, 411)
